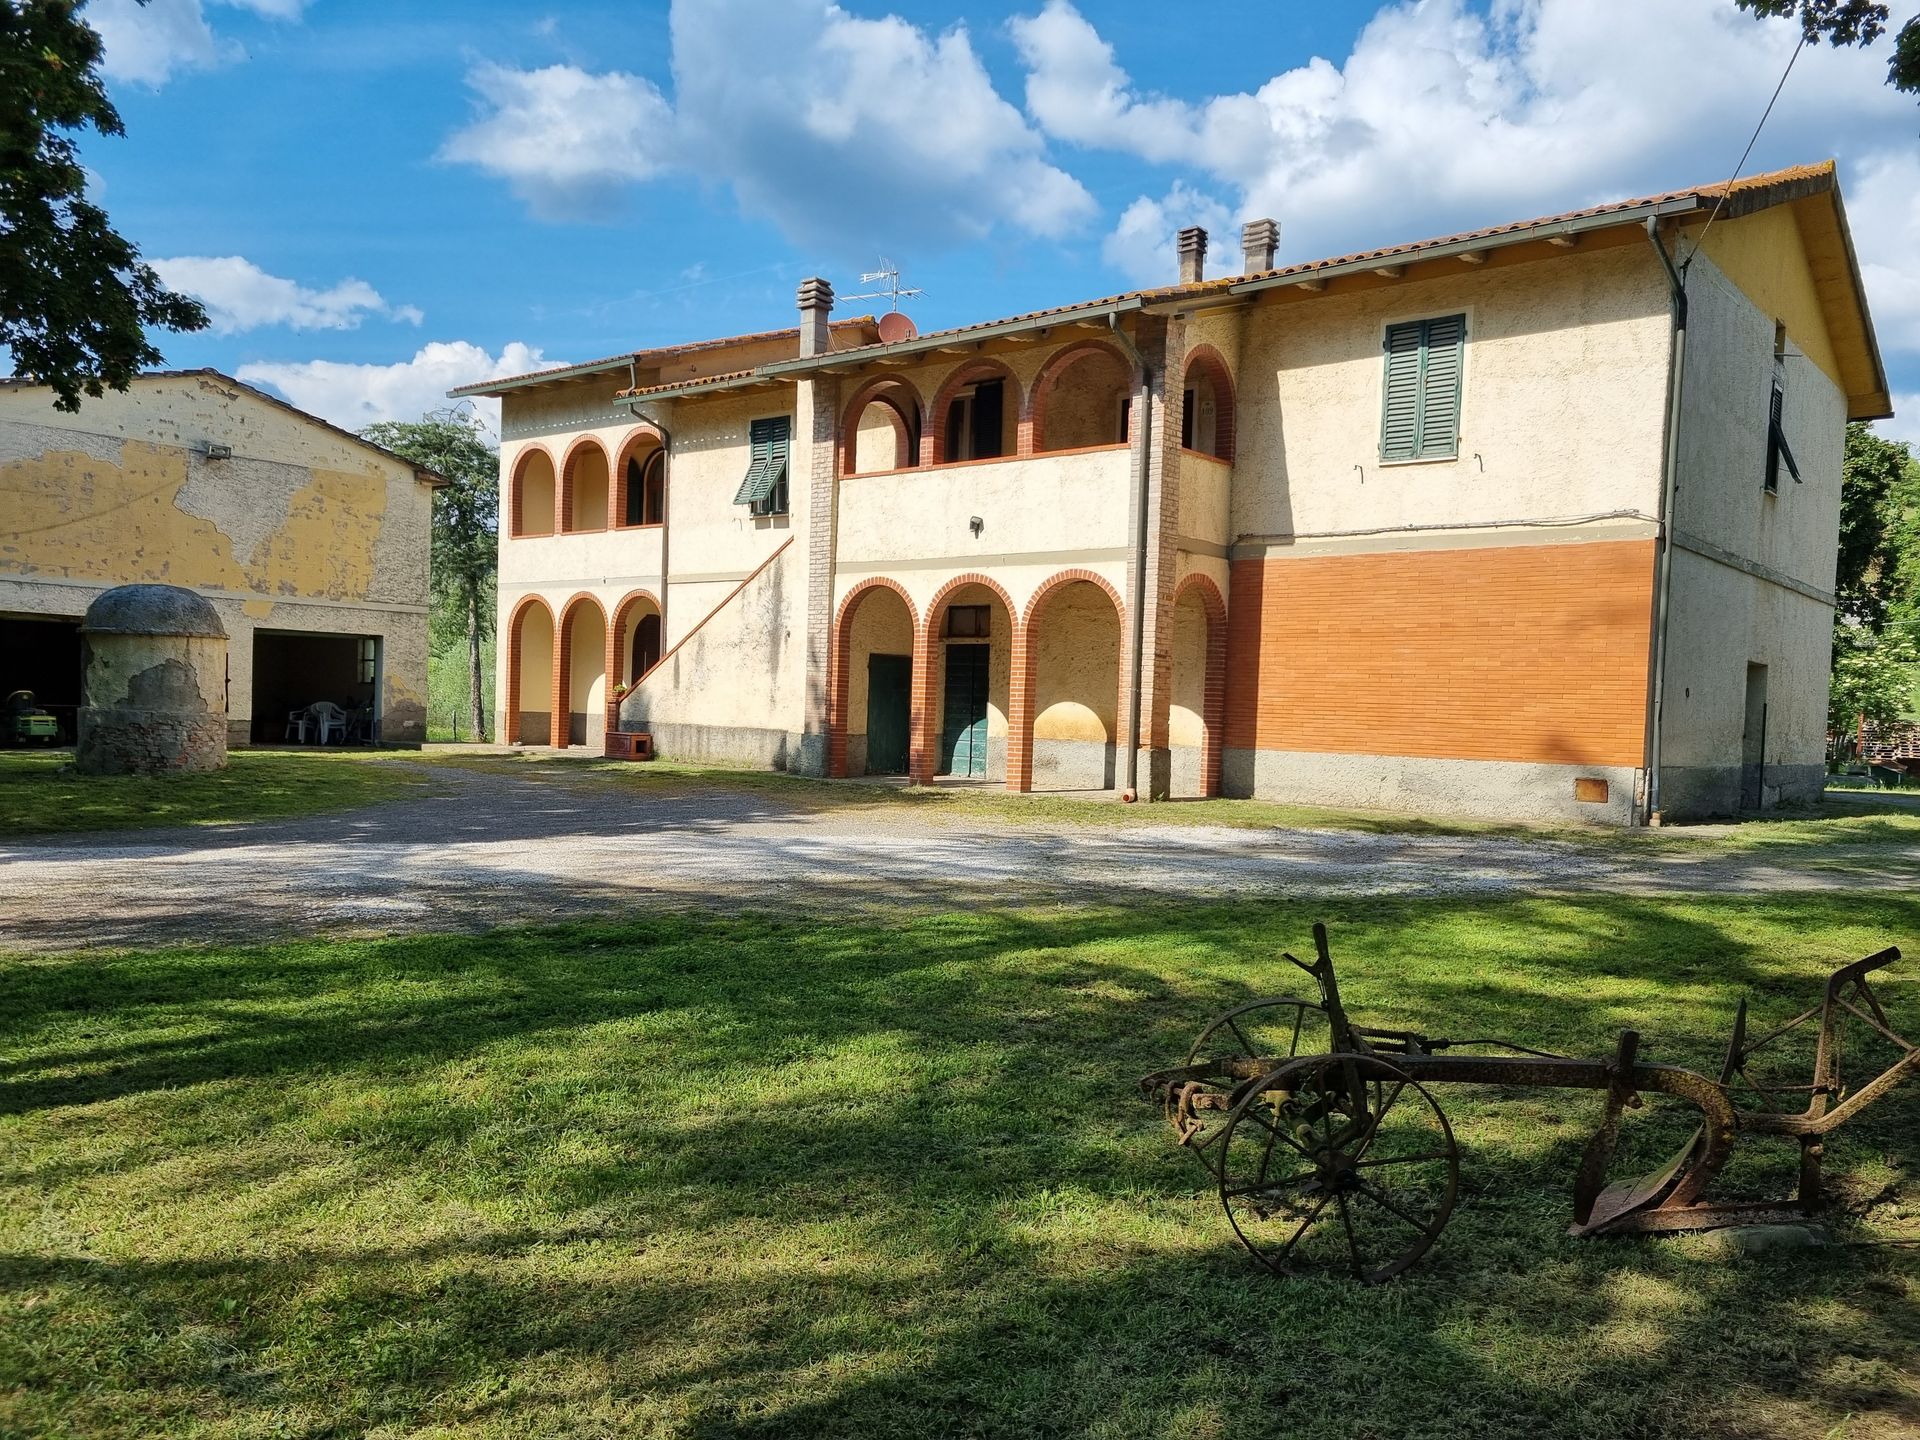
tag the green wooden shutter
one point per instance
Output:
(767, 465)
(1420, 406)
(1400, 417)
(1440, 386)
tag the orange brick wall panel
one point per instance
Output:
(1528, 653)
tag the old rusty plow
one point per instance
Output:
(1330, 1151)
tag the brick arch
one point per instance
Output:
(920, 757)
(524, 604)
(1213, 715)
(564, 479)
(563, 661)
(881, 388)
(617, 475)
(1209, 362)
(615, 627)
(516, 520)
(933, 433)
(1034, 440)
(1021, 689)
(837, 674)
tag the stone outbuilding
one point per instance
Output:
(155, 694)
(310, 544)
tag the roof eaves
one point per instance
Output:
(1554, 227)
(939, 339)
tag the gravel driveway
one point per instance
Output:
(495, 847)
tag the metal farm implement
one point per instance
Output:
(1343, 1159)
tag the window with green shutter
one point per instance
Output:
(1420, 408)
(764, 491)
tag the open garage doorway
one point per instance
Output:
(294, 671)
(43, 654)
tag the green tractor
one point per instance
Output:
(27, 723)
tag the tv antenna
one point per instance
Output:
(891, 290)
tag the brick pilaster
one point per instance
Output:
(1161, 345)
(816, 471)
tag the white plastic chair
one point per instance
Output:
(297, 725)
(328, 719)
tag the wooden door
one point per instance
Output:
(963, 737)
(889, 679)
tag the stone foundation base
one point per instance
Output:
(1483, 789)
(120, 741)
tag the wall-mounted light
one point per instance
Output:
(218, 452)
(976, 525)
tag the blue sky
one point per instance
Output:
(382, 200)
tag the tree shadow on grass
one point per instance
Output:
(753, 1177)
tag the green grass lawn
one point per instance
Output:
(752, 1177)
(39, 794)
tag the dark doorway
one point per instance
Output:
(1753, 742)
(43, 656)
(292, 671)
(646, 646)
(889, 679)
(963, 739)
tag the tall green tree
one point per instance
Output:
(466, 526)
(75, 300)
(1851, 22)
(1876, 619)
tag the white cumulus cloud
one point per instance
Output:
(149, 43)
(353, 396)
(566, 140)
(1448, 115)
(842, 130)
(239, 295)
(1141, 246)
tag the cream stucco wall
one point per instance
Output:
(302, 529)
(1752, 572)
(1562, 402)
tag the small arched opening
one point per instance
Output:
(640, 482)
(584, 487)
(636, 637)
(533, 492)
(1073, 633)
(1206, 410)
(975, 416)
(1083, 398)
(871, 725)
(583, 672)
(1196, 710)
(881, 429)
(968, 642)
(529, 707)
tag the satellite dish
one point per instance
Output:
(895, 327)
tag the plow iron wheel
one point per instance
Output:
(1338, 1162)
(1277, 1028)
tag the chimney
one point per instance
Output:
(1192, 246)
(816, 302)
(1258, 241)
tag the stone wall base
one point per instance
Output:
(1484, 789)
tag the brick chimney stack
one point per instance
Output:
(1259, 240)
(1192, 246)
(816, 303)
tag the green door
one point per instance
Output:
(963, 738)
(888, 680)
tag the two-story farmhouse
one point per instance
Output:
(312, 543)
(1535, 521)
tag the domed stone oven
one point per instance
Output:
(155, 696)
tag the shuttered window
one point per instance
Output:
(764, 490)
(1420, 412)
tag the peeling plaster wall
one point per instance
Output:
(302, 529)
